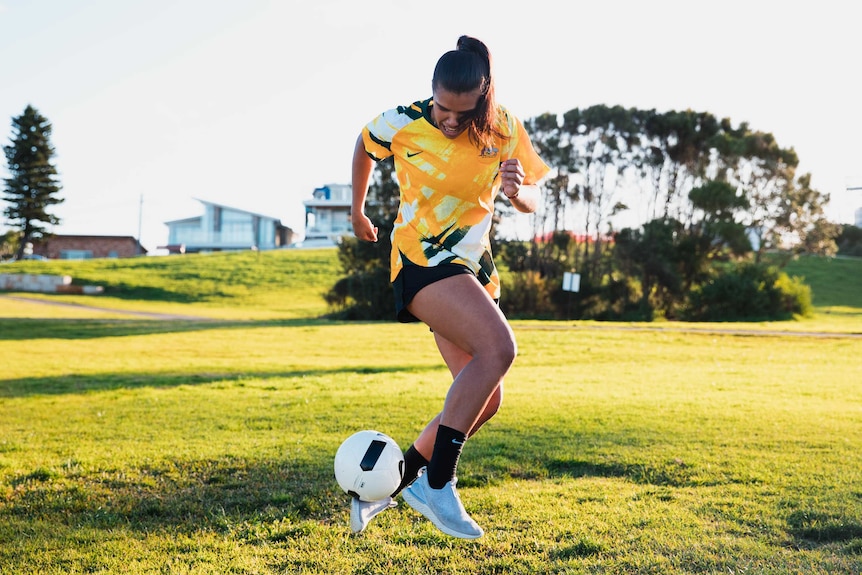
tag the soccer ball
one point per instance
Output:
(369, 465)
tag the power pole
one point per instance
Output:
(140, 220)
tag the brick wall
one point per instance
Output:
(99, 246)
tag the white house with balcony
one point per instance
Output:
(222, 228)
(327, 215)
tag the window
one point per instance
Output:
(76, 254)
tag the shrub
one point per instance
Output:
(526, 294)
(748, 292)
(850, 241)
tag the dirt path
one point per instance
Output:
(706, 330)
(142, 314)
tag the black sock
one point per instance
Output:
(413, 462)
(444, 460)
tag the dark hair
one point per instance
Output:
(465, 69)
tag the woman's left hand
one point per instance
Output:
(511, 177)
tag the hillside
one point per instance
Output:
(833, 281)
(291, 283)
(285, 283)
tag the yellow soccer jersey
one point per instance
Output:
(447, 187)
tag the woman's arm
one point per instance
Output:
(524, 197)
(363, 228)
(526, 200)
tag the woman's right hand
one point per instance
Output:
(363, 228)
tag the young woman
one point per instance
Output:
(453, 154)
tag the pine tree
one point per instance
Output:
(33, 185)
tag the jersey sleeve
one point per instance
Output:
(378, 134)
(521, 147)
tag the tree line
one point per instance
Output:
(712, 202)
(717, 208)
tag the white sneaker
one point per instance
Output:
(362, 512)
(442, 507)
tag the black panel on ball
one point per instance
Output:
(372, 454)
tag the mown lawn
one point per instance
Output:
(134, 445)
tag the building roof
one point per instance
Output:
(93, 236)
(231, 208)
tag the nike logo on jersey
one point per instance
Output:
(411, 154)
(456, 442)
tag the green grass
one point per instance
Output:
(835, 281)
(237, 285)
(131, 445)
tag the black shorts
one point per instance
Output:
(411, 279)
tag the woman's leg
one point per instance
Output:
(456, 359)
(460, 311)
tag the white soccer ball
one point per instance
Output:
(369, 465)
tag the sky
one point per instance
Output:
(252, 104)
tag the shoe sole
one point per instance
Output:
(423, 508)
(356, 525)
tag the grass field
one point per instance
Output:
(192, 446)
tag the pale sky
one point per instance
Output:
(254, 103)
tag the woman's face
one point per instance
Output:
(452, 112)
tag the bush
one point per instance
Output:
(749, 292)
(364, 293)
(850, 241)
(526, 294)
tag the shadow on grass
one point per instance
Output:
(258, 502)
(228, 495)
(815, 527)
(149, 293)
(810, 528)
(672, 473)
(82, 383)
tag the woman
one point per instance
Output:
(453, 153)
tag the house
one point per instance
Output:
(222, 228)
(67, 247)
(327, 215)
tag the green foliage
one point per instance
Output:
(667, 155)
(9, 243)
(33, 186)
(748, 292)
(652, 255)
(719, 229)
(834, 281)
(849, 241)
(803, 218)
(527, 294)
(365, 291)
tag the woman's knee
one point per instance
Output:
(503, 349)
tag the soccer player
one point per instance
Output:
(453, 154)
